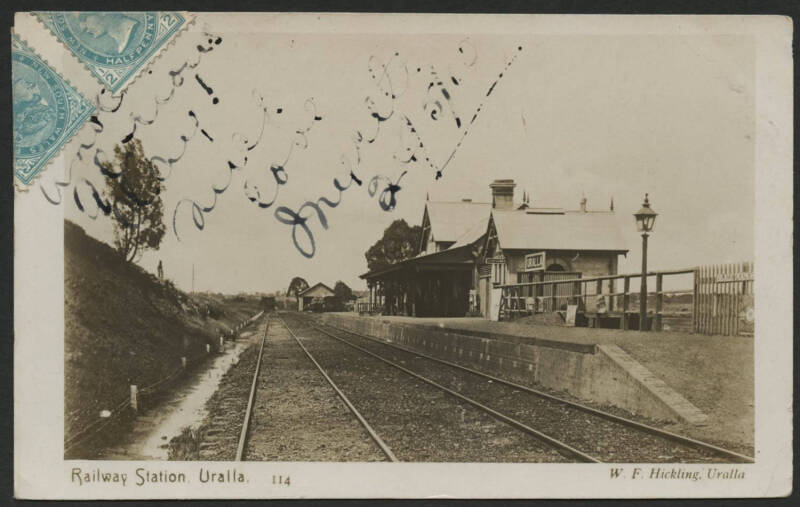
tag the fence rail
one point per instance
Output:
(719, 301)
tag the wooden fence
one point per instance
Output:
(545, 296)
(724, 299)
(362, 308)
(718, 299)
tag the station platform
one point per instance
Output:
(715, 373)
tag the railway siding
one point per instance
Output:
(418, 421)
(606, 376)
(600, 437)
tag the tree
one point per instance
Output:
(296, 286)
(399, 242)
(135, 191)
(342, 292)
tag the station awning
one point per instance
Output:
(452, 259)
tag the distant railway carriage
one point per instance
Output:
(268, 303)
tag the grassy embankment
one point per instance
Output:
(123, 327)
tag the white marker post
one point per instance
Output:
(183, 362)
(134, 400)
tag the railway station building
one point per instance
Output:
(468, 250)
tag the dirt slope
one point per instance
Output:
(122, 327)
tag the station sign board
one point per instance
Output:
(498, 258)
(534, 261)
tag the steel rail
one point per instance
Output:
(251, 400)
(687, 441)
(387, 451)
(497, 415)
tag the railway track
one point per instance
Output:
(576, 430)
(244, 446)
(419, 421)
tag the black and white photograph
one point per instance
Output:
(358, 243)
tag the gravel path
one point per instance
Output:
(418, 421)
(603, 439)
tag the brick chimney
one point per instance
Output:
(503, 194)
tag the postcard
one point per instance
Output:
(319, 255)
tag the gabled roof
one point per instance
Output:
(569, 230)
(473, 234)
(451, 220)
(314, 287)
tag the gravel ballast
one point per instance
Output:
(416, 420)
(297, 416)
(601, 438)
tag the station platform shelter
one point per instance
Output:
(433, 285)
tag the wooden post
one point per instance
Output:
(576, 289)
(183, 362)
(584, 293)
(738, 290)
(625, 302)
(134, 398)
(208, 348)
(659, 301)
(724, 296)
(611, 290)
(553, 294)
(221, 344)
(599, 292)
(714, 307)
(538, 291)
(703, 311)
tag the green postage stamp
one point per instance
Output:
(47, 111)
(114, 46)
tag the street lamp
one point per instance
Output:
(645, 221)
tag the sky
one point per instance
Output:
(573, 115)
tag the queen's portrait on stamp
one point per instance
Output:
(33, 114)
(116, 26)
(47, 111)
(114, 46)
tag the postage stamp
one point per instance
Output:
(114, 46)
(47, 111)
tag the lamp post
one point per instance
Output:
(645, 221)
